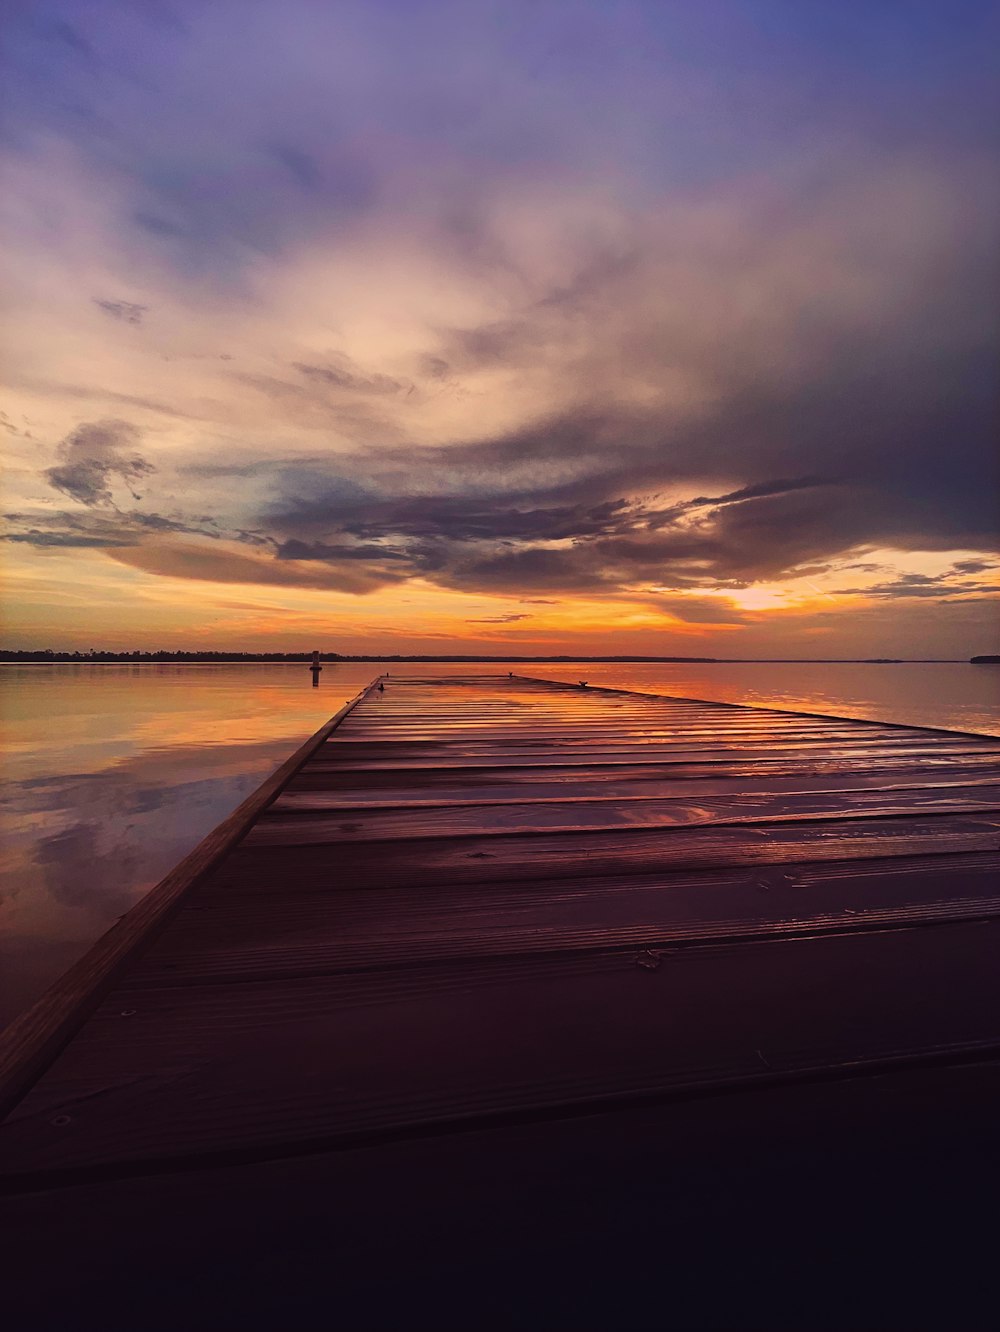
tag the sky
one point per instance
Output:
(525, 326)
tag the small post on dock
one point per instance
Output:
(315, 668)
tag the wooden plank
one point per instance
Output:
(225, 936)
(459, 757)
(196, 1071)
(576, 739)
(480, 710)
(434, 739)
(31, 1041)
(332, 777)
(467, 743)
(309, 793)
(601, 725)
(294, 828)
(559, 856)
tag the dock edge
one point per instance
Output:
(35, 1038)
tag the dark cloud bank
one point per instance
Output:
(842, 464)
(610, 524)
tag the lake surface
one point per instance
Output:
(114, 772)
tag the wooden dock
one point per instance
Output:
(516, 1004)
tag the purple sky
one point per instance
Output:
(509, 325)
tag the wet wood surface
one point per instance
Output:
(488, 901)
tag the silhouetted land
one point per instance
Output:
(96, 656)
(985, 661)
(41, 657)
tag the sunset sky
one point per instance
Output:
(416, 325)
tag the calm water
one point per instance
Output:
(115, 772)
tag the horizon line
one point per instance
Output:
(13, 656)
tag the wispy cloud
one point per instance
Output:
(92, 455)
(126, 312)
(499, 619)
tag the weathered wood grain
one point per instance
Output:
(435, 786)
(292, 827)
(486, 756)
(490, 899)
(224, 936)
(311, 793)
(199, 1071)
(560, 856)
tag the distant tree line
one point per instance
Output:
(8, 654)
(96, 655)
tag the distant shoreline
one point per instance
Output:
(43, 658)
